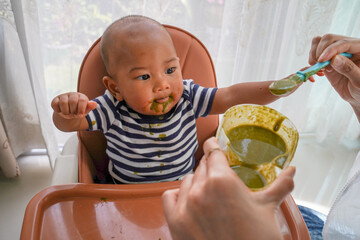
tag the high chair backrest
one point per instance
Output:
(195, 63)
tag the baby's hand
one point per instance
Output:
(72, 105)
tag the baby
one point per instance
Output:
(148, 111)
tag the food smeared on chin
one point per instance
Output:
(164, 102)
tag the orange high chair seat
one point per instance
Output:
(126, 211)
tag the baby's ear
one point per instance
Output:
(112, 86)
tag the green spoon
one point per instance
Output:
(286, 85)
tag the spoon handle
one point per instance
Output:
(305, 74)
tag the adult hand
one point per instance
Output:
(214, 203)
(343, 73)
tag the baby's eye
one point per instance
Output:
(144, 77)
(170, 70)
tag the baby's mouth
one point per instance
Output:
(162, 100)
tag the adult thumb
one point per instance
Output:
(169, 200)
(346, 67)
(282, 186)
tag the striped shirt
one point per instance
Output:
(143, 148)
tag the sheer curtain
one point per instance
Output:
(249, 40)
(274, 41)
(25, 123)
(271, 39)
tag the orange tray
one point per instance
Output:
(97, 211)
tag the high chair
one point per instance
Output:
(126, 211)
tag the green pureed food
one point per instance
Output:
(255, 145)
(257, 150)
(285, 86)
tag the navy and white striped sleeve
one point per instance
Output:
(202, 98)
(102, 116)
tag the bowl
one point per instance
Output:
(258, 141)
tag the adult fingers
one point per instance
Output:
(281, 187)
(200, 173)
(346, 67)
(350, 45)
(169, 200)
(325, 42)
(213, 153)
(312, 54)
(218, 169)
(185, 186)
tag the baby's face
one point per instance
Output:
(148, 74)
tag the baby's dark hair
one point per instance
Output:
(106, 39)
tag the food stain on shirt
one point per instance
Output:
(162, 164)
(161, 136)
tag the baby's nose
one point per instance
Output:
(161, 85)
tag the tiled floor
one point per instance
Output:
(321, 171)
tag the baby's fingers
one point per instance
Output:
(64, 103)
(73, 102)
(72, 105)
(311, 79)
(90, 106)
(82, 104)
(320, 73)
(55, 104)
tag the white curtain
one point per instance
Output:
(271, 39)
(249, 40)
(23, 104)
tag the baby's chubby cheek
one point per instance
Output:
(177, 93)
(146, 105)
